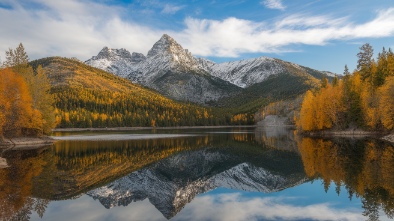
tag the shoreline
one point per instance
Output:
(26, 141)
(21, 142)
(389, 137)
(145, 128)
(345, 133)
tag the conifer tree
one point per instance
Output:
(323, 82)
(364, 63)
(346, 71)
(382, 69)
(335, 81)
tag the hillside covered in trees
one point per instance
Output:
(363, 99)
(53, 92)
(26, 105)
(89, 97)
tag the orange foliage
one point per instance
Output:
(352, 101)
(363, 167)
(16, 105)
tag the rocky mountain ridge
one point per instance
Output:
(176, 73)
(167, 68)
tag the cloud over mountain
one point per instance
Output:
(78, 28)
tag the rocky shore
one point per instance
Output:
(25, 141)
(389, 138)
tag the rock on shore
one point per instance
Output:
(389, 138)
(25, 141)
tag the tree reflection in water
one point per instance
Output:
(16, 185)
(363, 166)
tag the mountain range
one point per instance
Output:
(176, 73)
(175, 181)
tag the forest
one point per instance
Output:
(37, 96)
(361, 100)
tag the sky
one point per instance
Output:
(321, 34)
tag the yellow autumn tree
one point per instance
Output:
(307, 113)
(43, 100)
(4, 105)
(364, 99)
(38, 86)
(17, 105)
(386, 103)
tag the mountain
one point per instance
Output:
(90, 97)
(116, 60)
(288, 83)
(246, 73)
(169, 186)
(167, 68)
(174, 72)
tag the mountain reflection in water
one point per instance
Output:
(171, 172)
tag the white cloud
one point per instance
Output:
(71, 28)
(171, 9)
(234, 207)
(273, 4)
(229, 207)
(80, 29)
(232, 36)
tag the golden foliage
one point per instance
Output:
(25, 100)
(354, 101)
(363, 167)
(386, 103)
(16, 104)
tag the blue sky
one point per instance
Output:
(321, 34)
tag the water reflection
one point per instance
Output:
(173, 182)
(364, 167)
(170, 173)
(16, 184)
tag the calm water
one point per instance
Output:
(199, 174)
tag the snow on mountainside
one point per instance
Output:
(173, 71)
(117, 61)
(330, 74)
(169, 69)
(245, 73)
(169, 188)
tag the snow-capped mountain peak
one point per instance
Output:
(174, 72)
(164, 44)
(117, 61)
(113, 54)
(168, 50)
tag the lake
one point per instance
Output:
(239, 173)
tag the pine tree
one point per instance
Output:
(335, 81)
(382, 69)
(364, 63)
(390, 62)
(323, 82)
